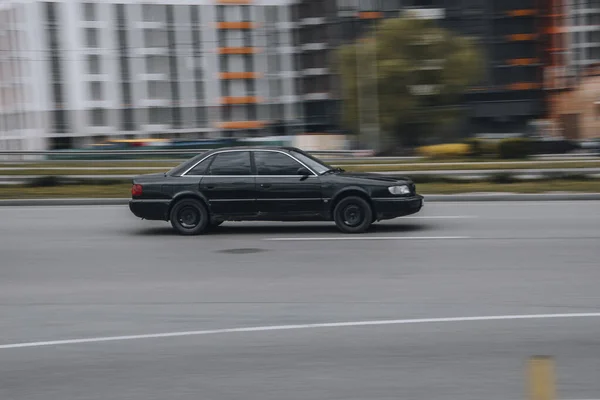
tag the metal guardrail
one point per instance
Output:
(522, 174)
(155, 152)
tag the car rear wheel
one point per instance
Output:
(353, 215)
(189, 217)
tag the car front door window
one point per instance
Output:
(276, 164)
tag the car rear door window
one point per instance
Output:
(231, 163)
(202, 167)
(274, 163)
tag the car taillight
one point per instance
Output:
(136, 190)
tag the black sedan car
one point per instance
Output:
(268, 184)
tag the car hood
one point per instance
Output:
(375, 177)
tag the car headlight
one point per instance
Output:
(401, 189)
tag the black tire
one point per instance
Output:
(353, 214)
(189, 217)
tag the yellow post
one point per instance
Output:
(542, 379)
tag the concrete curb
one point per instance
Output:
(466, 197)
(433, 198)
(65, 202)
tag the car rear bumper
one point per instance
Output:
(150, 209)
(388, 208)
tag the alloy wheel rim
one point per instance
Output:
(353, 215)
(189, 217)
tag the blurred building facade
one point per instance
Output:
(572, 57)
(577, 110)
(76, 71)
(583, 27)
(509, 96)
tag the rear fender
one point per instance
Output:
(188, 194)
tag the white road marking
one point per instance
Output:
(300, 326)
(304, 239)
(439, 217)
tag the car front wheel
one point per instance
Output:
(353, 215)
(189, 217)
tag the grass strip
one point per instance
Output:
(122, 190)
(400, 167)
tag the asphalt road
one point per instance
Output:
(70, 273)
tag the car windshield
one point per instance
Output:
(314, 163)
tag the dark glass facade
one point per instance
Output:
(509, 96)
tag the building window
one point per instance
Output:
(93, 64)
(155, 38)
(158, 90)
(234, 13)
(373, 5)
(271, 14)
(156, 64)
(128, 123)
(89, 11)
(91, 37)
(220, 13)
(159, 116)
(98, 117)
(199, 91)
(96, 91)
(154, 12)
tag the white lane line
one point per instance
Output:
(439, 217)
(305, 239)
(300, 326)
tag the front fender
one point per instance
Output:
(349, 191)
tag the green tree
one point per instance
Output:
(406, 77)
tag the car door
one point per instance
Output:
(229, 184)
(282, 188)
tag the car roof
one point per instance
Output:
(186, 164)
(281, 148)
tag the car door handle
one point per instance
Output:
(209, 187)
(265, 185)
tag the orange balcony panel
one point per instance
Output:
(241, 125)
(370, 15)
(521, 13)
(240, 100)
(235, 2)
(235, 25)
(239, 75)
(521, 37)
(522, 61)
(237, 50)
(523, 86)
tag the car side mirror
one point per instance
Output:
(302, 171)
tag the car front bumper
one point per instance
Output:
(393, 207)
(150, 209)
